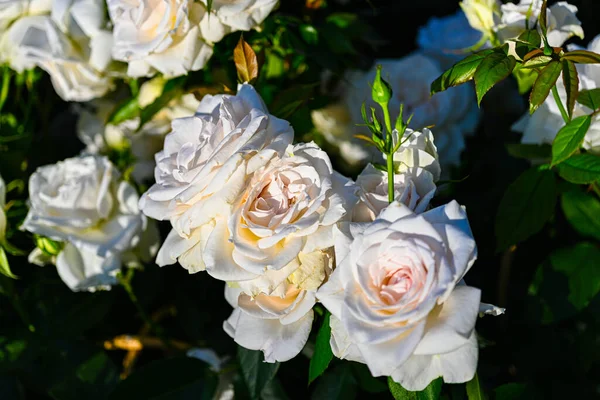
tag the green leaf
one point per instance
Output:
(581, 169)
(431, 392)
(590, 98)
(571, 81)
(580, 264)
(493, 69)
(174, 378)
(309, 34)
(209, 6)
(543, 84)
(531, 37)
(526, 42)
(525, 79)
(583, 212)
(4, 266)
(323, 354)
(529, 151)
(336, 384)
(255, 371)
(474, 389)
(461, 72)
(582, 57)
(570, 138)
(526, 206)
(172, 89)
(538, 61)
(130, 109)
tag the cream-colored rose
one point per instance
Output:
(228, 16)
(480, 13)
(453, 112)
(288, 208)
(101, 138)
(206, 163)
(71, 44)
(158, 35)
(82, 203)
(397, 299)
(562, 21)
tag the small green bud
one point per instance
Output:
(48, 246)
(381, 91)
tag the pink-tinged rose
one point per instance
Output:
(396, 296)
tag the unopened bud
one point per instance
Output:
(381, 91)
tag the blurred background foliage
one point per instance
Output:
(61, 345)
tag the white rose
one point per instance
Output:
(158, 35)
(144, 143)
(562, 22)
(71, 45)
(228, 16)
(206, 162)
(288, 208)
(453, 112)
(11, 10)
(447, 38)
(2, 205)
(543, 126)
(480, 13)
(395, 297)
(81, 202)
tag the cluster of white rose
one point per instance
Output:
(285, 231)
(84, 48)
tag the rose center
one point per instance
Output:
(395, 284)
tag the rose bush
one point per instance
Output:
(397, 299)
(81, 203)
